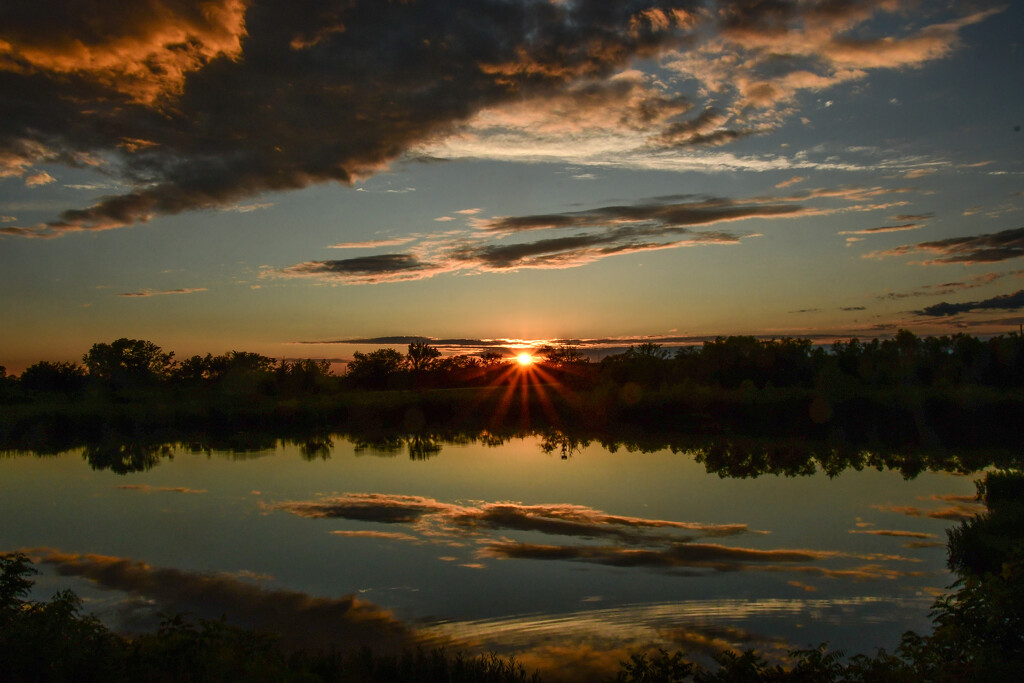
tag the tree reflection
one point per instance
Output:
(565, 444)
(126, 457)
(727, 456)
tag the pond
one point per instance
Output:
(489, 543)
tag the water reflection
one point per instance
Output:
(727, 456)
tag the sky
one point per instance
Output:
(306, 179)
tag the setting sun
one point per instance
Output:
(524, 359)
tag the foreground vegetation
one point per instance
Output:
(941, 392)
(978, 634)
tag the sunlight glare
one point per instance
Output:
(524, 359)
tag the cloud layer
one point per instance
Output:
(575, 238)
(197, 104)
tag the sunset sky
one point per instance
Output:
(291, 177)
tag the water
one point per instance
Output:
(506, 547)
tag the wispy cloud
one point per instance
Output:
(372, 244)
(987, 248)
(161, 292)
(146, 488)
(497, 244)
(893, 532)
(950, 287)
(883, 229)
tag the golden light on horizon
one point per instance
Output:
(524, 359)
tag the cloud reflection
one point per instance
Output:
(301, 619)
(628, 542)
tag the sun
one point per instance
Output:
(524, 359)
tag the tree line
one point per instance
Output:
(125, 366)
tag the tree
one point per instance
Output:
(565, 354)
(128, 362)
(374, 369)
(421, 356)
(489, 358)
(46, 377)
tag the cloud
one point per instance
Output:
(380, 535)
(987, 248)
(624, 541)
(892, 532)
(686, 555)
(370, 244)
(301, 619)
(690, 212)
(152, 97)
(652, 224)
(39, 178)
(950, 287)
(600, 233)
(884, 228)
(791, 181)
(765, 54)
(364, 269)
(160, 292)
(1002, 302)
(146, 488)
(427, 514)
(956, 513)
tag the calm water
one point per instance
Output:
(505, 547)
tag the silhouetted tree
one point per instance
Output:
(46, 377)
(374, 369)
(565, 354)
(421, 356)
(491, 357)
(304, 377)
(128, 363)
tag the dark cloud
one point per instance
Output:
(695, 211)
(1003, 302)
(704, 129)
(300, 618)
(368, 507)
(199, 105)
(949, 287)
(363, 268)
(852, 308)
(988, 248)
